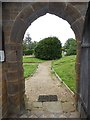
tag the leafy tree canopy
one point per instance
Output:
(48, 49)
(28, 45)
(70, 46)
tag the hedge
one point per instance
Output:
(48, 49)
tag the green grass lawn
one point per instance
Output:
(65, 68)
(32, 59)
(29, 69)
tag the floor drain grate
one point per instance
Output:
(47, 98)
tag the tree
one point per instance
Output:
(24, 45)
(48, 49)
(33, 45)
(70, 46)
(28, 45)
(28, 41)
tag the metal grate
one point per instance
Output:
(47, 98)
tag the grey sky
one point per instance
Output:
(50, 25)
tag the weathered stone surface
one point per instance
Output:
(48, 115)
(81, 6)
(12, 87)
(37, 104)
(53, 107)
(11, 56)
(62, 116)
(14, 103)
(64, 99)
(38, 6)
(37, 111)
(71, 14)
(57, 8)
(12, 76)
(78, 26)
(24, 116)
(16, 19)
(67, 105)
(12, 66)
(33, 116)
(74, 115)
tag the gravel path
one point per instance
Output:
(44, 82)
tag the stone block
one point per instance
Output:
(37, 111)
(74, 115)
(21, 73)
(71, 14)
(78, 28)
(77, 68)
(7, 25)
(7, 40)
(12, 66)
(81, 6)
(33, 116)
(9, 47)
(4, 97)
(37, 104)
(68, 107)
(14, 103)
(26, 12)
(22, 85)
(0, 88)
(4, 110)
(53, 107)
(13, 15)
(12, 87)
(39, 6)
(4, 91)
(24, 116)
(0, 112)
(11, 56)
(5, 14)
(0, 101)
(12, 76)
(18, 31)
(57, 8)
(7, 32)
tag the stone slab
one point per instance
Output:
(75, 115)
(37, 104)
(68, 107)
(53, 107)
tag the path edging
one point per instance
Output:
(62, 81)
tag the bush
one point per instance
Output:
(28, 52)
(48, 49)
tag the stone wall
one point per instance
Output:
(16, 19)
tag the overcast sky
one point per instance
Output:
(50, 25)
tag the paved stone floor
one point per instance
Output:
(44, 82)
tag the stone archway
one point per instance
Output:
(17, 24)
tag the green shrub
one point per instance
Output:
(28, 52)
(70, 47)
(48, 49)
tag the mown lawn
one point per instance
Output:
(29, 69)
(32, 60)
(65, 68)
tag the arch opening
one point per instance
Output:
(22, 22)
(30, 91)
